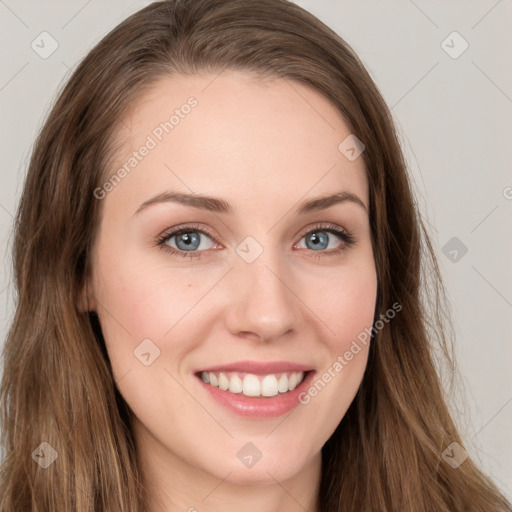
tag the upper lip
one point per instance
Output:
(259, 368)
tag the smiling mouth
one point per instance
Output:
(251, 385)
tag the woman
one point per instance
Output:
(217, 258)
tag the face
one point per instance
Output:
(259, 284)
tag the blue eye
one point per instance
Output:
(319, 237)
(188, 240)
(317, 240)
(188, 243)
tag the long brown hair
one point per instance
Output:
(57, 386)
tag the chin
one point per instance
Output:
(266, 471)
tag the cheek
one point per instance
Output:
(136, 302)
(149, 326)
(144, 301)
(145, 298)
(345, 303)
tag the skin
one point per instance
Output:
(265, 147)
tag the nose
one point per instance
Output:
(261, 303)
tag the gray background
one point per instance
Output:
(454, 117)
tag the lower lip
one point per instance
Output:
(259, 407)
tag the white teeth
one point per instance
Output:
(282, 385)
(223, 382)
(213, 379)
(293, 381)
(254, 385)
(269, 386)
(235, 384)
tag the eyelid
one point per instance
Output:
(176, 230)
(326, 226)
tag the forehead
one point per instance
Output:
(232, 135)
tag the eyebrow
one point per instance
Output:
(217, 205)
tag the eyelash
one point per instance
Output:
(347, 240)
